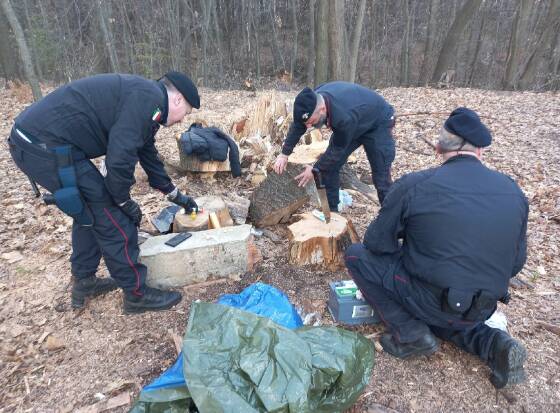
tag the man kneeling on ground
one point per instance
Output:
(463, 230)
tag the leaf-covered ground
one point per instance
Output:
(57, 360)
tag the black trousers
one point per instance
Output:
(408, 308)
(113, 235)
(379, 146)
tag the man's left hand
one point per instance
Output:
(304, 177)
(184, 201)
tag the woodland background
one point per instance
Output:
(489, 44)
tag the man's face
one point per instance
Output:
(178, 108)
(318, 119)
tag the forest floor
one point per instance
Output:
(56, 360)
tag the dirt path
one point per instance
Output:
(103, 351)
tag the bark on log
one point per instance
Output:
(210, 204)
(349, 179)
(278, 197)
(315, 242)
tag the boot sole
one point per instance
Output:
(79, 302)
(515, 373)
(139, 310)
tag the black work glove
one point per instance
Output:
(183, 201)
(132, 209)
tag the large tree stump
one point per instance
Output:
(313, 241)
(278, 197)
(211, 204)
(270, 118)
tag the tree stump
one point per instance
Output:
(191, 163)
(313, 241)
(278, 197)
(270, 118)
(211, 204)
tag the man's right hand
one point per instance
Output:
(280, 164)
(133, 211)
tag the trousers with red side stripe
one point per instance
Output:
(409, 309)
(113, 235)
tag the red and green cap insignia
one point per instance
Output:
(157, 115)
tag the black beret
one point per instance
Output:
(185, 86)
(466, 124)
(304, 105)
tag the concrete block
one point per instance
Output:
(216, 253)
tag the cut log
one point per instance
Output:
(210, 204)
(238, 207)
(216, 253)
(349, 179)
(309, 154)
(278, 197)
(315, 242)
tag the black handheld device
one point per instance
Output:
(177, 239)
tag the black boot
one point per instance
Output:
(424, 346)
(152, 300)
(506, 361)
(92, 286)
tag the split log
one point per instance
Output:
(238, 207)
(309, 154)
(315, 242)
(278, 197)
(349, 179)
(211, 204)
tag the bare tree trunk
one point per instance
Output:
(529, 73)
(206, 14)
(322, 44)
(447, 53)
(355, 41)
(279, 63)
(405, 53)
(430, 40)
(337, 50)
(295, 51)
(23, 49)
(107, 37)
(311, 44)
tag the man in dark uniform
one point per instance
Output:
(442, 250)
(116, 116)
(357, 116)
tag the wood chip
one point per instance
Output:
(54, 343)
(122, 399)
(550, 327)
(177, 341)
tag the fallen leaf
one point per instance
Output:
(541, 270)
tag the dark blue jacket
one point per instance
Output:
(211, 144)
(352, 111)
(110, 115)
(462, 225)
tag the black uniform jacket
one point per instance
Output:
(352, 111)
(211, 144)
(109, 114)
(463, 226)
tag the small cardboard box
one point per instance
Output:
(345, 308)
